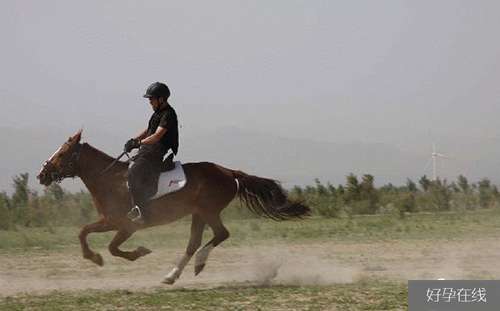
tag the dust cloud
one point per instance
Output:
(319, 264)
(294, 268)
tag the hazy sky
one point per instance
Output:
(340, 71)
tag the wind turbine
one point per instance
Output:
(434, 156)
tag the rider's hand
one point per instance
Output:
(132, 144)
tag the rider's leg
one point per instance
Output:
(136, 178)
(142, 177)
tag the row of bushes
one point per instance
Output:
(57, 207)
(362, 197)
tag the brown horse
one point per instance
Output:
(208, 190)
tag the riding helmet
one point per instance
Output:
(157, 90)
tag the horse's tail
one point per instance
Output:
(267, 198)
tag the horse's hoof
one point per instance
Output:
(168, 280)
(97, 259)
(143, 251)
(172, 276)
(198, 269)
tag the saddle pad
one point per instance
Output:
(171, 181)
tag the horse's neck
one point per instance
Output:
(92, 162)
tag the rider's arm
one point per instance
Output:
(143, 134)
(160, 131)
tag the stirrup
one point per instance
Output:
(135, 215)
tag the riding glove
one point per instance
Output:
(132, 144)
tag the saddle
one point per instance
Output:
(172, 180)
(167, 164)
(169, 177)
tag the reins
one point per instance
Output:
(109, 167)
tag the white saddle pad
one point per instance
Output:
(171, 181)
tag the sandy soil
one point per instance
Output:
(308, 264)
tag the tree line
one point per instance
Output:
(54, 207)
(58, 207)
(362, 197)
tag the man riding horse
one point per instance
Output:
(161, 135)
(208, 191)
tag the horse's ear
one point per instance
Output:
(76, 139)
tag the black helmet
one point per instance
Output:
(157, 90)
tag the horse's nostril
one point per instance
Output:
(40, 176)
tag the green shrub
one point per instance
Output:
(4, 216)
(328, 207)
(361, 208)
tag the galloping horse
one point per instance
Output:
(209, 189)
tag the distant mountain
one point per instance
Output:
(292, 161)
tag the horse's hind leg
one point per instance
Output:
(197, 226)
(98, 226)
(220, 234)
(120, 237)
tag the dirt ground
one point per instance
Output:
(308, 264)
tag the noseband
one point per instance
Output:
(71, 164)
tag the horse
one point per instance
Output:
(208, 190)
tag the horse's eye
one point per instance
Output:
(60, 155)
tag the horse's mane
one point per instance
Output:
(103, 155)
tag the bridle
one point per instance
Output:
(56, 175)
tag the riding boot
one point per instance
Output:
(146, 212)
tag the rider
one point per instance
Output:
(161, 135)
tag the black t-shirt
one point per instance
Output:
(166, 118)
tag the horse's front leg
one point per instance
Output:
(98, 226)
(121, 237)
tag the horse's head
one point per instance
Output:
(62, 163)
